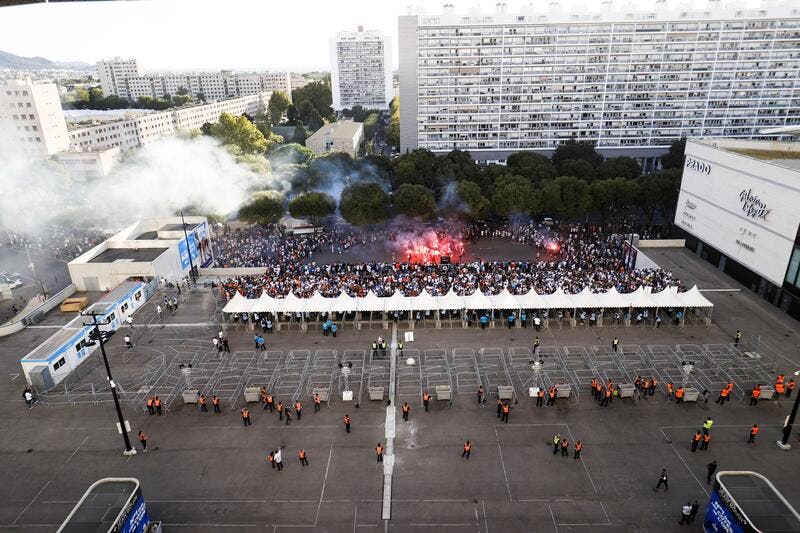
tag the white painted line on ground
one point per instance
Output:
(355, 518)
(682, 460)
(45, 327)
(17, 526)
(15, 377)
(76, 449)
(555, 525)
(31, 503)
(725, 426)
(219, 525)
(390, 430)
(324, 481)
(571, 436)
(485, 520)
(503, 464)
(720, 290)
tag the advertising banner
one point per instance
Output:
(722, 515)
(184, 255)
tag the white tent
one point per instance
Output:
(238, 304)
(531, 300)
(291, 304)
(424, 302)
(370, 302)
(451, 300)
(397, 302)
(557, 300)
(667, 298)
(585, 299)
(344, 303)
(317, 303)
(693, 298)
(642, 297)
(477, 300)
(613, 299)
(504, 300)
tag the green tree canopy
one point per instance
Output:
(313, 206)
(318, 94)
(364, 203)
(265, 207)
(580, 168)
(612, 197)
(535, 167)
(674, 158)
(619, 167)
(290, 154)
(573, 149)
(513, 195)
(392, 132)
(418, 167)
(567, 197)
(277, 105)
(470, 193)
(414, 201)
(240, 132)
(300, 133)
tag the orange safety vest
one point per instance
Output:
(467, 446)
(790, 385)
(271, 458)
(679, 392)
(158, 402)
(780, 378)
(670, 387)
(724, 393)
(565, 443)
(405, 408)
(269, 398)
(756, 393)
(215, 400)
(202, 400)
(706, 438)
(297, 406)
(540, 394)
(316, 398)
(301, 454)
(347, 420)
(779, 388)
(578, 446)
(149, 402)
(697, 437)
(729, 387)
(654, 382)
(551, 392)
(378, 450)
(280, 407)
(142, 437)
(506, 409)
(426, 397)
(754, 431)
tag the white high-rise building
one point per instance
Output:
(113, 74)
(361, 69)
(124, 78)
(633, 82)
(31, 119)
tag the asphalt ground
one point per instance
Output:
(207, 472)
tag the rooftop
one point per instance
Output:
(56, 341)
(178, 227)
(100, 506)
(128, 255)
(760, 501)
(782, 153)
(343, 129)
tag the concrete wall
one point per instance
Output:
(20, 323)
(662, 243)
(407, 49)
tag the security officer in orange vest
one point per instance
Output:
(270, 403)
(271, 459)
(753, 432)
(606, 397)
(246, 416)
(298, 408)
(780, 389)
(696, 440)
(578, 448)
(705, 441)
(506, 411)
(670, 391)
(426, 398)
(302, 456)
(540, 397)
(467, 450)
(679, 395)
(379, 452)
(564, 448)
(150, 406)
(723, 395)
(755, 394)
(157, 402)
(406, 408)
(346, 420)
(215, 403)
(594, 388)
(280, 410)
(551, 395)
(317, 403)
(203, 406)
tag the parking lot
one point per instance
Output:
(207, 472)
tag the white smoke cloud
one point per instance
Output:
(155, 180)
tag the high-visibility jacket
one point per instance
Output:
(316, 399)
(608, 393)
(730, 387)
(149, 402)
(551, 393)
(780, 378)
(506, 409)
(779, 388)
(578, 446)
(142, 437)
(269, 398)
(157, 402)
(346, 419)
(374, 345)
(724, 392)
(679, 392)
(754, 431)
(467, 446)
(540, 394)
(271, 458)
(378, 450)
(564, 443)
(756, 393)
(280, 406)
(654, 382)
(707, 424)
(790, 385)
(697, 437)
(202, 400)
(670, 387)
(706, 438)
(405, 408)
(301, 454)
(215, 400)
(298, 406)
(426, 397)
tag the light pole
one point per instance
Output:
(33, 271)
(188, 249)
(129, 450)
(787, 428)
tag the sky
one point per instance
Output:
(209, 34)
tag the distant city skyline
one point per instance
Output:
(182, 35)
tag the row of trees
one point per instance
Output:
(93, 99)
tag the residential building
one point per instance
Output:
(738, 205)
(89, 164)
(361, 69)
(124, 78)
(31, 118)
(113, 74)
(632, 82)
(137, 128)
(342, 136)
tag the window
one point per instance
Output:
(35, 128)
(58, 364)
(124, 307)
(30, 117)
(24, 93)
(27, 104)
(138, 295)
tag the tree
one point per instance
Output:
(313, 206)
(265, 207)
(414, 201)
(613, 197)
(470, 194)
(580, 168)
(179, 100)
(535, 167)
(458, 165)
(370, 124)
(291, 114)
(201, 97)
(81, 94)
(512, 195)
(364, 203)
(240, 132)
(290, 154)
(392, 133)
(619, 167)
(418, 167)
(318, 94)
(300, 134)
(573, 149)
(182, 91)
(315, 121)
(205, 129)
(278, 103)
(674, 158)
(566, 196)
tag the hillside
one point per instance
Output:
(12, 61)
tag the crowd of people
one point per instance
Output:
(585, 259)
(54, 241)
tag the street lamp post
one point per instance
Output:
(188, 249)
(33, 271)
(129, 450)
(787, 429)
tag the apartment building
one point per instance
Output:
(141, 129)
(31, 119)
(340, 136)
(124, 78)
(361, 69)
(632, 82)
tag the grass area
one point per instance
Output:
(767, 154)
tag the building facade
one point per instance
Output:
(124, 78)
(31, 118)
(361, 69)
(631, 82)
(141, 129)
(739, 206)
(341, 136)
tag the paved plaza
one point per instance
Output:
(207, 472)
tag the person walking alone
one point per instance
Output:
(279, 460)
(506, 411)
(662, 480)
(215, 403)
(711, 468)
(467, 450)
(246, 417)
(379, 452)
(143, 441)
(578, 448)
(346, 421)
(303, 458)
(753, 432)
(556, 442)
(737, 337)
(406, 409)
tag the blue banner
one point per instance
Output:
(720, 518)
(137, 518)
(185, 256)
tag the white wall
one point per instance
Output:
(709, 207)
